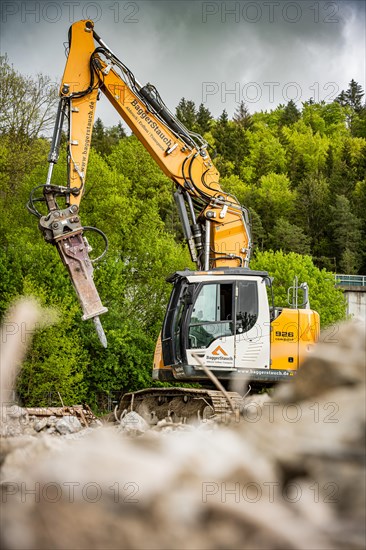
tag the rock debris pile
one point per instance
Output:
(17, 421)
(289, 475)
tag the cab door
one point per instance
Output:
(252, 325)
(229, 325)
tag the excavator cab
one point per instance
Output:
(220, 317)
(226, 319)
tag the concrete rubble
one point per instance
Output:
(17, 421)
(289, 475)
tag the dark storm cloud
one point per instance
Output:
(264, 52)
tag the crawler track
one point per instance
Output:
(180, 404)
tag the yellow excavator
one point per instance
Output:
(221, 317)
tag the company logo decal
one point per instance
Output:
(219, 358)
(219, 351)
(152, 123)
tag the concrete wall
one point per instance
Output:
(356, 301)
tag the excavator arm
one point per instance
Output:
(215, 225)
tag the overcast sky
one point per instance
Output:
(264, 52)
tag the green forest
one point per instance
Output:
(299, 170)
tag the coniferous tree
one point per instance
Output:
(358, 123)
(242, 116)
(231, 143)
(114, 134)
(352, 96)
(221, 133)
(223, 118)
(203, 120)
(344, 177)
(290, 115)
(223, 144)
(186, 113)
(288, 237)
(347, 235)
(312, 212)
(98, 135)
(119, 131)
(259, 236)
(104, 139)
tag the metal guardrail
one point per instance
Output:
(350, 280)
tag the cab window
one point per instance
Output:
(212, 315)
(247, 306)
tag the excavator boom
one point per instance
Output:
(215, 225)
(182, 155)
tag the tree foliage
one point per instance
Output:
(27, 104)
(327, 300)
(242, 116)
(347, 235)
(187, 113)
(290, 114)
(352, 96)
(299, 171)
(352, 99)
(67, 358)
(104, 139)
(203, 120)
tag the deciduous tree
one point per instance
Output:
(27, 104)
(328, 301)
